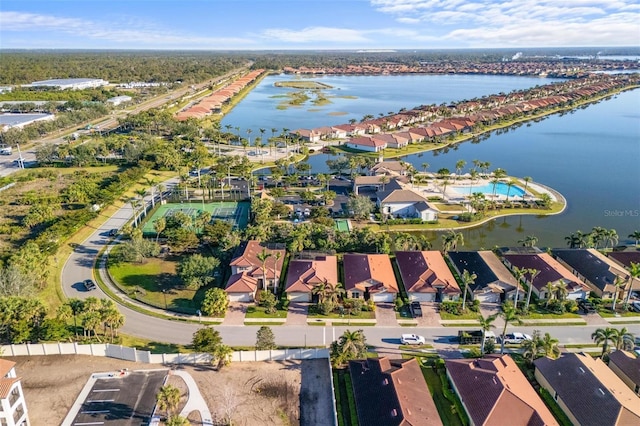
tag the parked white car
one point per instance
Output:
(516, 338)
(412, 339)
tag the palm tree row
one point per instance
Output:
(593, 239)
(620, 339)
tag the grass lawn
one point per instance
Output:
(543, 315)
(446, 408)
(145, 282)
(153, 347)
(465, 316)
(608, 313)
(259, 312)
(313, 313)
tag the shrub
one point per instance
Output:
(451, 307)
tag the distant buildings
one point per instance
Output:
(70, 83)
(9, 121)
(13, 407)
(117, 100)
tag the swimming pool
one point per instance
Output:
(487, 189)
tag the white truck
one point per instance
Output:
(6, 150)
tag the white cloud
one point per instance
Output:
(137, 35)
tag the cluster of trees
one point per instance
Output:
(331, 298)
(122, 66)
(619, 339)
(207, 340)
(351, 345)
(598, 238)
(90, 315)
(167, 400)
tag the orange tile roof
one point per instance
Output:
(6, 366)
(372, 271)
(304, 274)
(248, 257)
(425, 272)
(241, 283)
(6, 384)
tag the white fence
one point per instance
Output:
(133, 354)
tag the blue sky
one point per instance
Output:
(317, 24)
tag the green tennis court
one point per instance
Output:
(236, 213)
(342, 225)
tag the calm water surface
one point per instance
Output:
(591, 155)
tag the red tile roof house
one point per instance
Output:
(392, 140)
(392, 393)
(365, 143)
(247, 274)
(352, 130)
(13, 406)
(550, 271)
(426, 276)
(304, 274)
(493, 391)
(369, 276)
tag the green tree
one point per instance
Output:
(361, 206)
(265, 339)
(634, 273)
(623, 339)
(451, 240)
(221, 356)
(533, 273)
(168, 399)
(635, 235)
(268, 301)
(604, 336)
(177, 421)
(351, 345)
(14, 282)
(206, 339)
(486, 324)
(262, 257)
(467, 279)
(159, 225)
(533, 348)
(550, 346)
(508, 314)
(197, 271)
(215, 303)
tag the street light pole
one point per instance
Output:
(164, 293)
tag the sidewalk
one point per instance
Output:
(195, 402)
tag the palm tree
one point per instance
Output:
(618, 283)
(623, 339)
(561, 290)
(486, 324)
(168, 399)
(351, 345)
(611, 236)
(533, 273)
(222, 354)
(634, 273)
(262, 257)
(467, 279)
(528, 241)
(604, 336)
(509, 186)
(276, 258)
(549, 289)
(526, 180)
(425, 166)
(451, 240)
(508, 314)
(550, 346)
(459, 166)
(533, 348)
(519, 274)
(635, 235)
(159, 225)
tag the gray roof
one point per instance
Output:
(588, 399)
(592, 268)
(628, 364)
(399, 196)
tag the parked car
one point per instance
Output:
(586, 306)
(636, 306)
(89, 285)
(474, 337)
(416, 309)
(113, 232)
(412, 339)
(515, 338)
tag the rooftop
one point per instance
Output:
(425, 272)
(304, 274)
(369, 271)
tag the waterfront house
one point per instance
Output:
(392, 392)
(625, 258)
(493, 391)
(352, 129)
(596, 270)
(304, 274)
(366, 143)
(588, 392)
(247, 273)
(404, 203)
(13, 406)
(305, 135)
(494, 283)
(627, 367)
(426, 276)
(369, 276)
(551, 271)
(390, 168)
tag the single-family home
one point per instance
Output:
(366, 143)
(549, 271)
(13, 406)
(304, 274)
(255, 266)
(376, 183)
(392, 392)
(389, 168)
(305, 135)
(405, 203)
(352, 129)
(493, 283)
(627, 368)
(426, 276)
(493, 391)
(588, 391)
(369, 276)
(597, 270)
(625, 258)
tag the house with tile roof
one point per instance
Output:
(625, 258)
(597, 270)
(426, 276)
(493, 391)
(627, 367)
(247, 272)
(304, 274)
(551, 271)
(404, 203)
(369, 276)
(366, 143)
(13, 407)
(494, 283)
(389, 168)
(392, 393)
(588, 392)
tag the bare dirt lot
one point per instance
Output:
(250, 393)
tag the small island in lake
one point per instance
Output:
(300, 84)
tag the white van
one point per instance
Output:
(6, 150)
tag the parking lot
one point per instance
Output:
(117, 399)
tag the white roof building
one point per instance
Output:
(117, 100)
(70, 83)
(8, 121)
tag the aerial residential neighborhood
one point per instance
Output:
(320, 214)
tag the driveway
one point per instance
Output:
(235, 313)
(430, 316)
(297, 313)
(386, 315)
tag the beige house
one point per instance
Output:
(13, 407)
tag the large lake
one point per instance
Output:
(591, 155)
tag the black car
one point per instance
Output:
(89, 285)
(113, 232)
(416, 309)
